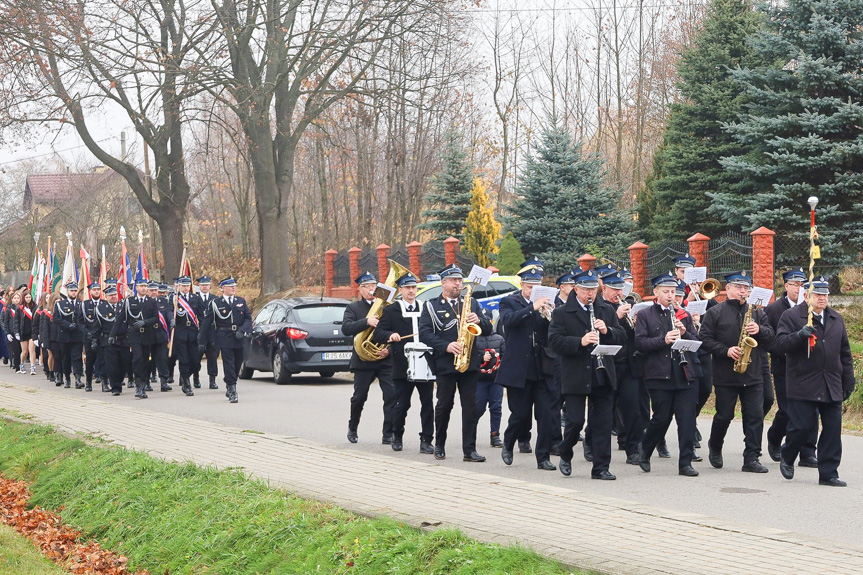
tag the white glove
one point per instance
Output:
(36, 342)
(18, 336)
(9, 337)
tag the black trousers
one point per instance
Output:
(45, 350)
(15, 354)
(404, 389)
(802, 421)
(118, 361)
(92, 358)
(679, 404)
(601, 418)
(141, 361)
(779, 429)
(363, 379)
(212, 361)
(186, 354)
(631, 428)
(446, 387)
(232, 359)
(752, 405)
(159, 351)
(534, 397)
(71, 358)
(57, 350)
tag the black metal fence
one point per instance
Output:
(729, 253)
(841, 258)
(432, 259)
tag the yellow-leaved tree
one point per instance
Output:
(481, 230)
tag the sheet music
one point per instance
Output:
(760, 296)
(606, 349)
(385, 292)
(694, 275)
(539, 292)
(627, 289)
(697, 307)
(639, 307)
(479, 276)
(686, 345)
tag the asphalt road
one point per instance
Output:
(317, 409)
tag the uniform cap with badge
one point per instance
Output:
(587, 279)
(741, 277)
(451, 271)
(667, 279)
(794, 275)
(684, 261)
(365, 278)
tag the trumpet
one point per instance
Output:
(708, 289)
(545, 311)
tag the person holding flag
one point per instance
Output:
(138, 321)
(66, 314)
(88, 319)
(186, 329)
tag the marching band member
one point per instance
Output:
(186, 329)
(721, 330)
(523, 368)
(818, 381)
(439, 329)
(573, 336)
(398, 323)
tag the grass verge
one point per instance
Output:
(18, 556)
(170, 518)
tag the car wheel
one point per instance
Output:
(327, 373)
(280, 374)
(245, 372)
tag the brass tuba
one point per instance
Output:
(363, 345)
(467, 332)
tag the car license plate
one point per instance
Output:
(329, 355)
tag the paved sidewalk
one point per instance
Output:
(581, 529)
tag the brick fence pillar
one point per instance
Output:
(762, 258)
(383, 267)
(450, 246)
(638, 266)
(414, 259)
(586, 262)
(354, 259)
(698, 248)
(329, 272)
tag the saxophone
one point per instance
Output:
(746, 343)
(467, 332)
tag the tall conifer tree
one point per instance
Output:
(449, 198)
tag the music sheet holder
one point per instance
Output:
(607, 349)
(686, 345)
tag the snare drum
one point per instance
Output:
(418, 367)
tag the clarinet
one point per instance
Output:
(599, 359)
(672, 314)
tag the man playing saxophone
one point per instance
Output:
(727, 330)
(439, 329)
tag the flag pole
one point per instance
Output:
(814, 254)
(176, 304)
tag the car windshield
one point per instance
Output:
(320, 314)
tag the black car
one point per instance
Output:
(298, 334)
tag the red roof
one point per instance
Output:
(52, 188)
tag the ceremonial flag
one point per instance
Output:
(34, 271)
(103, 268)
(124, 278)
(85, 272)
(55, 274)
(141, 272)
(39, 285)
(70, 271)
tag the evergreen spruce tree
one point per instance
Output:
(510, 256)
(686, 165)
(481, 230)
(804, 123)
(449, 198)
(564, 205)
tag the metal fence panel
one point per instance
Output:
(728, 253)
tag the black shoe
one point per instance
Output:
(688, 471)
(662, 450)
(697, 458)
(105, 387)
(116, 392)
(143, 395)
(696, 444)
(832, 482)
(774, 450)
(506, 455)
(57, 382)
(426, 447)
(130, 384)
(97, 379)
(754, 466)
(603, 475)
(554, 449)
(78, 383)
(232, 393)
(546, 465)
(88, 387)
(196, 382)
(68, 384)
(213, 384)
(439, 453)
(396, 443)
(152, 380)
(352, 435)
(186, 387)
(643, 460)
(386, 440)
(164, 385)
(171, 379)
(588, 452)
(524, 447)
(614, 432)
(148, 387)
(474, 457)
(494, 439)
(714, 456)
(632, 460)
(786, 469)
(810, 461)
(565, 467)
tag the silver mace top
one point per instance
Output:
(812, 201)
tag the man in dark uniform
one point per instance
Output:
(573, 337)
(159, 350)
(166, 306)
(720, 332)
(66, 314)
(523, 368)
(668, 374)
(793, 280)
(186, 329)
(439, 329)
(138, 319)
(820, 378)
(202, 306)
(114, 350)
(89, 326)
(228, 324)
(399, 324)
(630, 387)
(365, 372)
